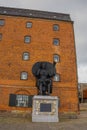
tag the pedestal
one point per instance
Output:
(45, 109)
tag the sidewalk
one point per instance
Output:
(12, 122)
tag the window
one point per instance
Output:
(56, 78)
(27, 39)
(0, 36)
(24, 75)
(56, 41)
(2, 22)
(25, 56)
(55, 27)
(29, 25)
(21, 100)
(56, 58)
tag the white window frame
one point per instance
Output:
(56, 78)
(22, 100)
(56, 58)
(29, 24)
(2, 22)
(27, 39)
(55, 27)
(56, 41)
(24, 75)
(25, 56)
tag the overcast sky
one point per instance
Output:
(78, 11)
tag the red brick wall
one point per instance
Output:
(85, 93)
(41, 48)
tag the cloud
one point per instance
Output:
(82, 74)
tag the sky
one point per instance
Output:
(78, 12)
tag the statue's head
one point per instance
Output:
(43, 65)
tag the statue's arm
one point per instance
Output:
(38, 72)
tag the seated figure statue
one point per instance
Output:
(44, 71)
(44, 83)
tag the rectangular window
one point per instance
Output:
(56, 58)
(0, 36)
(27, 39)
(29, 25)
(25, 56)
(55, 27)
(24, 75)
(2, 22)
(21, 100)
(56, 78)
(56, 41)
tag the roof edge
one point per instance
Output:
(34, 13)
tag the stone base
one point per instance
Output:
(45, 109)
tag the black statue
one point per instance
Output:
(44, 71)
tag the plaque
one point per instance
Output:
(45, 107)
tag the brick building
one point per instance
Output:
(82, 92)
(29, 36)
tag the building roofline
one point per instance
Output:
(34, 14)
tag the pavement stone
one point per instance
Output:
(9, 122)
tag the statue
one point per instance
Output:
(44, 71)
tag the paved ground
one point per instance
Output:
(24, 123)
